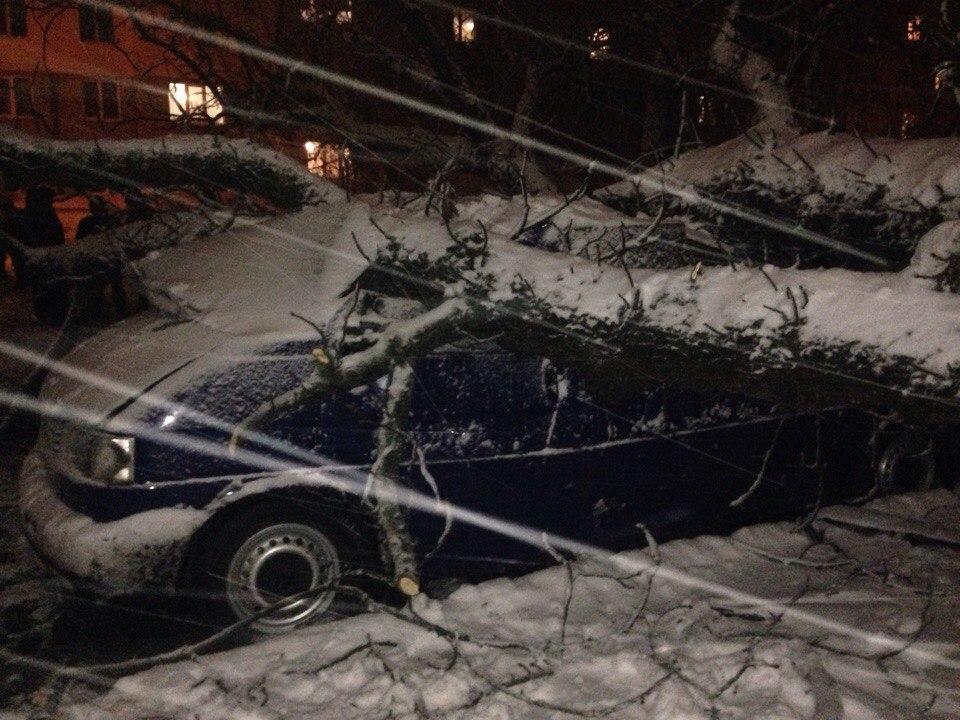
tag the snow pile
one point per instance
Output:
(591, 639)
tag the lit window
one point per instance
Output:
(599, 43)
(15, 97)
(327, 160)
(100, 100)
(464, 27)
(913, 29)
(907, 121)
(312, 11)
(194, 102)
(13, 18)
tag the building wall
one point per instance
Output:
(57, 62)
(874, 78)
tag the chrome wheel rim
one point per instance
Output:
(277, 562)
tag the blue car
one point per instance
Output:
(131, 490)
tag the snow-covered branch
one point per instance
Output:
(812, 338)
(208, 164)
(877, 195)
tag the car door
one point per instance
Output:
(683, 463)
(481, 421)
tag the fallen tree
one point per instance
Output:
(578, 281)
(807, 339)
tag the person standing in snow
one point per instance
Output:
(9, 228)
(37, 225)
(101, 218)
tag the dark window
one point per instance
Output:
(15, 97)
(13, 18)
(104, 26)
(109, 105)
(95, 24)
(100, 100)
(87, 23)
(22, 104)
(91, 100)
(6, 97)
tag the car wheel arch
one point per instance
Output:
(347, 513)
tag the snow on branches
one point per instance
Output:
(201, 163)
(877, 195)
(874, 339)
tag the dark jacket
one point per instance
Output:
(37, 225)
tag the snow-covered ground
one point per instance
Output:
(592, 639)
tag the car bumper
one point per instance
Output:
(123, 557)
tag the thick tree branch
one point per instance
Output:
(207, 163)
(732, 57)
(401, 340)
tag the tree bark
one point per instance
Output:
(754, 73)
(393, 447)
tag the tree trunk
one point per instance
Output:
(393, 447)
(754, 73)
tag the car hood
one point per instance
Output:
(111, 369)
(221, 297)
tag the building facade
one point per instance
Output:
(71, 71)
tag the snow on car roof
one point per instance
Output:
(246, 281)
(219, 297)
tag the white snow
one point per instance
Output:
(897, 313)
(912, 171)
(632, 645)
(248, 280)
(934, 249)
(120, 555)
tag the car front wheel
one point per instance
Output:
(252, 563)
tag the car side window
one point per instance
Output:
(584, 414)
(477, 404)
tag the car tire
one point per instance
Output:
(275, 550)
(908, 464)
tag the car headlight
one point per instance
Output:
(111, 459)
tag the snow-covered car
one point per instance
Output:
(132, 489)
